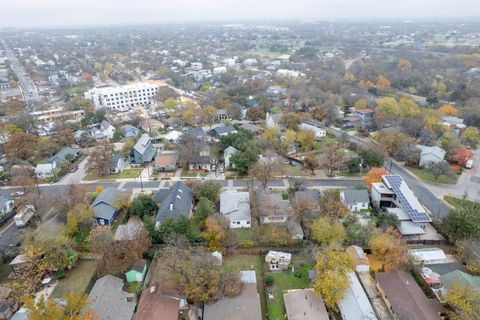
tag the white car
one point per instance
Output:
(17, 194)
(469, 164)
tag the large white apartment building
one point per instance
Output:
(123, 98)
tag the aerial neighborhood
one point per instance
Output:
(253, 171)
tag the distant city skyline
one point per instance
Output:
(58, 13)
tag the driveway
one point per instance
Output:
(75, 177)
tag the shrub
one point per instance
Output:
(269, 280)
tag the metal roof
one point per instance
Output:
(406, 198)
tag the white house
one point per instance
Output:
(104, 131)
(355, 200)
(227, 153)
(428, 255)
(235, 206)
(319, 132)
(430, 154)
(45, 170)
(6, 206)
(273, 120)
(219, 70)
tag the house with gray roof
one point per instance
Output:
(227, 154)
(223, 131)
(104, 207)
(197, 133)
(430, 155)
(117, 163)
(355, 200)
(235, 206)
(104, 131)
(109, 301)
(173, 203)
(143, 151)
(128, 131)
(67, 154)
(6, 206)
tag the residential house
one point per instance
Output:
(108, 300)
(250, 127)
(461, 278)
(172, 136)
(307, 199)
(174, 202)
(117, 163)
(137, 272)
(272, 207)
(166, 161)
(394, 194)
(79, 135)
(235, 206)
(454, 122)
(244, 306)
(351, 121)
(8, 304)
(294, 227)
(154, 304)
(197, 133)
(45, 170)
(67, 154)
(103, 132)
(355, 305)
(405, 298)
(365, 115)
(430, 155)
(143, 151)
(6, 206)
(222, 115)
(223, 131)
(203, 160)
(104, 206)
(304, 304)
(407, 228)
(359, 258)
(128, 131)
(278, 260)
(227, 153)
(355, 200)
(273, 120)
(427, 256)
(151, 126)
(319, 132)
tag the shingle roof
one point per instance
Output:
(104, 205)
(62, 154)
(196, 132)
(235, 205)
(114, 160)
(304, 304)
(462, 278)
(109, 301)
(406, 298)
(230, 150)
(355, 196)
(154, 304)
(178, 201)
(223, 129)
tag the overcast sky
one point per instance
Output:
(34, 13)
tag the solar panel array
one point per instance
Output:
(395, 182)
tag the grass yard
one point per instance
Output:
(239, 263)
(76, 279)
(242, 235)
(428, 177)
(189, 174)
(287, 280)
(125, 174)
(5, 270)
(326, 141)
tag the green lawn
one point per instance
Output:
(241, 263)
(5, 270)
(285, 281)
(326, 141)
(125, 174)
(188, 174)
(243, 234)
(76, 279)
(459, 203)
(428, 177)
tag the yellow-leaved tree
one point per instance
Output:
(331, 275)
(327, 231)
(389, 250)
(79, 218)
(48, 309)
(463, 302)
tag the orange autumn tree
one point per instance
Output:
(448, 110)
(215, 234)
(374, 175)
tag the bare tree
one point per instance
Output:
(333, 158)
(99, 160)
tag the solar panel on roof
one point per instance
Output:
(406, 201)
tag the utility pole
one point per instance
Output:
(141, 182)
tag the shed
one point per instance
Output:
(137, 272)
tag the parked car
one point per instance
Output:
(73, 169)
(469, 164)
(17, 194)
